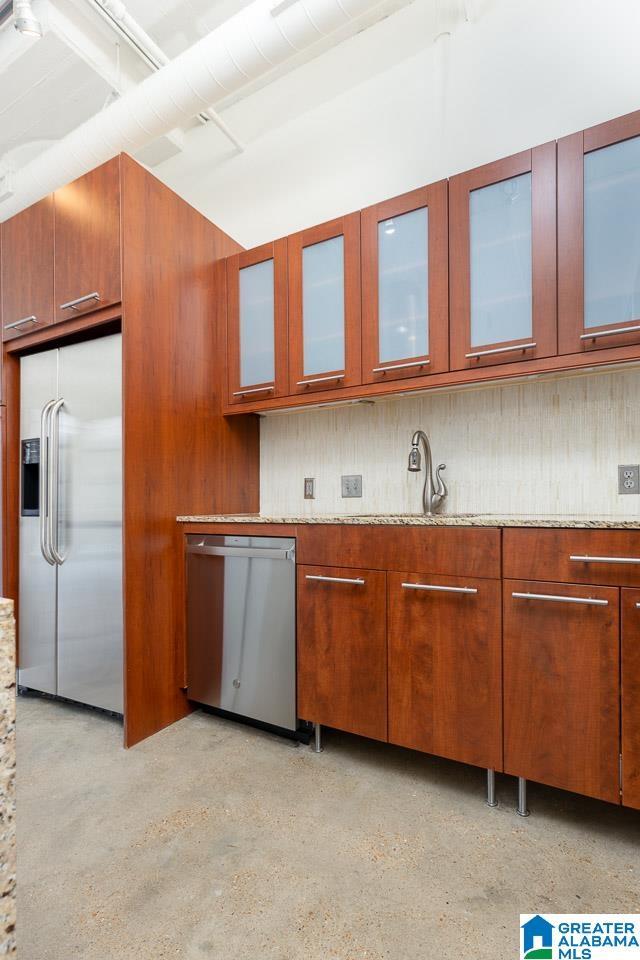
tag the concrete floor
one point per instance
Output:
(216, 840)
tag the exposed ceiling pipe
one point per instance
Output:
(245, 47)
(115, 13)
(25, 20)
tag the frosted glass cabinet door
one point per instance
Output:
(405, 310)
(503, 261)
(324, 306)
(257, 323)
(599, 232)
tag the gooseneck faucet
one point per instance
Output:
(433, 494)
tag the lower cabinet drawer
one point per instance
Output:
(342, 649)
(631, 698)
(561, 686)
(609, 557)
(445, 667)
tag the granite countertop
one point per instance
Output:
(444, 520)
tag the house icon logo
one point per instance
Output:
(537, 937)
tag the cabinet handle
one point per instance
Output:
(432, 586)
(401, 366)
(305, 383)
(490, 353)
(73, 304)
(18, 323)
(608, 333)
(587, 559)
(358, 580)
(548, 596)
(638, 606)
(245, 393)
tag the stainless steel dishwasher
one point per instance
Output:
(241, 639)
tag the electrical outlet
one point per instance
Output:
(309, 488)
(352, 486)
(629, 478)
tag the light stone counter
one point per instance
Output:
(7, 779)
(453, 520)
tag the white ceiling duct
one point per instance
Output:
(243, 48)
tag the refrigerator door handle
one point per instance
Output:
(44, 482)
(54, 462)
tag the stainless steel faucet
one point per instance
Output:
(433, 494)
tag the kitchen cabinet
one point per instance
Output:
(87, 269)
(502, 233)
(342, 649)
(257, 349)
(405, 286)
(561, 685)
(445, 667)
(599, 237)
(607, 557)
(324, 306)
(631, 698)
(27, 270)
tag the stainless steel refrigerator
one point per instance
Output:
(70, 613)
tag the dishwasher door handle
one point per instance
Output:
(268, 553)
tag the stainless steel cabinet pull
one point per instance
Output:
(245, 393)
(401, 366)
(18, 323)
(44, 482)
(638, 606)
(272, 553)
(588, 559)
(52, 519)
(432, 586)
(358, 580)
(73, 304)
(490, 353)
(548, 596)
(305, 383)
(608, 333)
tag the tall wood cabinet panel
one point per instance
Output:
(631, 698)
(87, 273)
(324, 306)
(27, 270)
(562, 686)
(405, 286)
(502, 232)
(599, 237)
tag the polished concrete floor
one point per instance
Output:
(214, 840)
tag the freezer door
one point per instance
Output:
(89, 524)
(37, 606)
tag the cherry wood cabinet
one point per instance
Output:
(342, 649)
(631, 698)
(502, 223)
(405, 286)
(27, 270)
(607, 557)
(599, 237)
(562, 686)
(445, 667)
(87, 274)
(257, 332)
(324, 306)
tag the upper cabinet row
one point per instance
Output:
(61, 256)
(530, 257)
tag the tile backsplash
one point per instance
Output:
(538, 446)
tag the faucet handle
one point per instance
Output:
(441, 489)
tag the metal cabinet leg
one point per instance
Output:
(491, 788)
(317, 748)
(522, 798)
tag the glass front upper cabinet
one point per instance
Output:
(405, 307)
(599, 237)
(324, 306)
(503, 260)
(257, 323)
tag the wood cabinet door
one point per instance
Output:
(87, 272)
(257, 354)
(502, 261)
(631, 698)
(324, 306)
(599, 237)
(27, 270)
(405, 286)
(342, 649)
(562, 686)
(445, 667)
